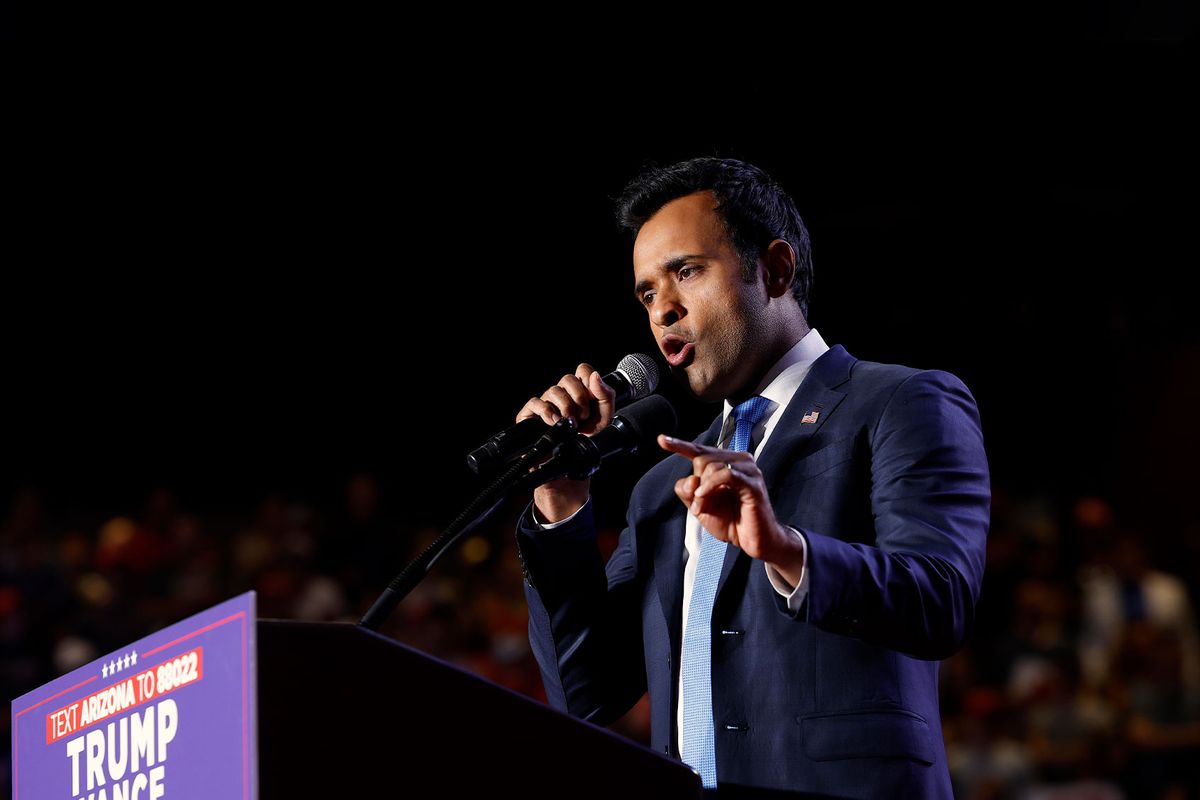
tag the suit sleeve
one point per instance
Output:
(915, 589)
(585, 619)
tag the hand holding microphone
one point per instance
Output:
(584, 397)
(634, 378)
(591, 401)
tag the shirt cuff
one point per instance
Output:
(545, 526)
(795, 596)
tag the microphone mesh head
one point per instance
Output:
(642, 372)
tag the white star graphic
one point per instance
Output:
(104, 670)
(134, 658)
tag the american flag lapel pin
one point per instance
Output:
(810, 417)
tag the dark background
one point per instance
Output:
(249, 260)
(235, 268)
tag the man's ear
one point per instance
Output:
(779, 261)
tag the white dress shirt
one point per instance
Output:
(778, 386)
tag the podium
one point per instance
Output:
(401, 719)
(222, 705)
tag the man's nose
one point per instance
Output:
(667, 310)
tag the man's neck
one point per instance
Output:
(794, 333)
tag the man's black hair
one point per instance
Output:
(755, 209)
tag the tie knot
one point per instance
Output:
(751, 410)
(745, 416)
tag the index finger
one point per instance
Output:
(682, 447)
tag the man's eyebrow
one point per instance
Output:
(670, 265)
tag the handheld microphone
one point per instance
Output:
(634, 378)
(580, 456)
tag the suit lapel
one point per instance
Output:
(791, 434)
(788, 439)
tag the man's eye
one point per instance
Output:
(685, 271)
(648, 298)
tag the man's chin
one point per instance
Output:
(695, 385)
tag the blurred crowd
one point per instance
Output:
(1081, 678)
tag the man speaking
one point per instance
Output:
(785, 587)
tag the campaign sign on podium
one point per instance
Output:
(171, 715)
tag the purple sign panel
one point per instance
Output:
(168, 716)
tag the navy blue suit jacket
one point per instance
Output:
(890, 488)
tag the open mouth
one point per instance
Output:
(679, 352)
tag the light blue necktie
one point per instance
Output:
(696, 660)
